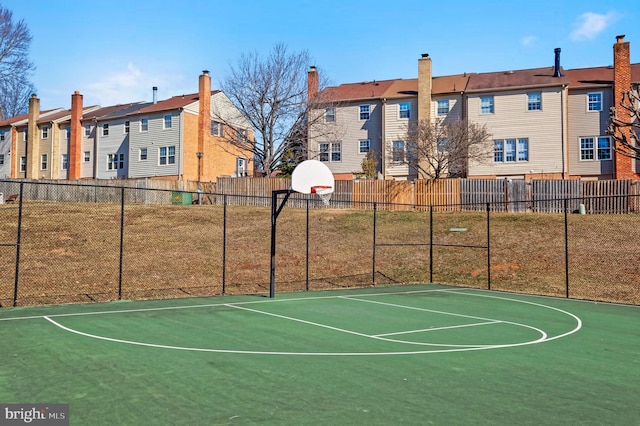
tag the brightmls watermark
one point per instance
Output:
(34, 414)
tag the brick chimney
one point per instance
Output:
(621, 86)
(312, 83)
(424, 95)
(75, 139)
(33, 145)
(204, 114)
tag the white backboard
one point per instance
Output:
(311, 173)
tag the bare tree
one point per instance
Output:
(15, 67)
(271, 94)
(441, 148)
(625, 127)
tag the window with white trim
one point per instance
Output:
(45, 132)
(365, 112)
(2, 135)
(241, 166)
(23, 164)
(87, 130)
(167, 122)
(25, 135)
(1, 159)
(142, 154)
(404, 110)
(167, 155)
(105, 129)
(65, 162)
(510, 150)
(595, 148)
(144, 124)
(443, 106)
(365, 146)
(398, 151)
(127, 126)
(594, 101)
(534, 101)
(86, 156)
(43, 162)
(216, 128)
(486, 105)
(329, 115)
(115, 161)
(330, 152)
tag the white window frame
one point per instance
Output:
(330, 152)
(330, 115)
(144, 124)
(1, 159)
(115, 161)
(2, 136)
(23, 164)
(167, 121)
(64, 162)
(87, 130)
(364, 147)
(105, 130)
(592, 104)
(44, 162)
(241, 166)
(534, 104)
(511, 150)
(143, 154)
(86, 156)
(216, 128)
(487, 105)
(45, 132)
(404, 110)
(25, 135)
(364, 112)
(168, 158)
(590, 149)
(443, 107)
(127, 127)
(398, 151)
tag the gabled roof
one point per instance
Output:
(354, 91)
(112, 111)
(170, 104)
(515, 78)
(597, 76)
(13, 120)
(450, 83)
(43, 114)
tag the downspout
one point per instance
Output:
(181, 110)
(383, 142)
(562, 141)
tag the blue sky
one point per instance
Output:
(115, 51)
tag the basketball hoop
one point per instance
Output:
(324, 192)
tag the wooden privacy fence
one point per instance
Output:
(509, 195)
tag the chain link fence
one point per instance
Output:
(77, 244)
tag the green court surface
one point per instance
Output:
(394, 355)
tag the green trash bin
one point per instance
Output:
(181, 198)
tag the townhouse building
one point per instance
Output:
(547, 122)
(186, 137)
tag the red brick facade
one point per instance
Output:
(75, 139)
(622, 85)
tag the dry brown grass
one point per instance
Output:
(70, 252)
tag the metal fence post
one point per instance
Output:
(488, 247)
(121, 241)
(566, 247)
(431, 243)
(18, 239)
(307, 249)
(224, 243)
(373, 256)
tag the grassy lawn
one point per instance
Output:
(70, 251)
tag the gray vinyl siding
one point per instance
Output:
(349, 131)
(512, 120)
(116, 142)
(5, 149)
(396, 129)
(153, 139)
(583, 123)
(88, 144)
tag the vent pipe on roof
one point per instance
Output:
(155, 95)
(556, 67)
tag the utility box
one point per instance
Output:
(181, 198)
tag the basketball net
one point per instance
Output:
(324, 192)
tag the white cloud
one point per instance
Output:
(134, 84)
(528, 41)
(590, 24)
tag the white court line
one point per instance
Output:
(435, 329)
(450, 348)
(210, 305)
